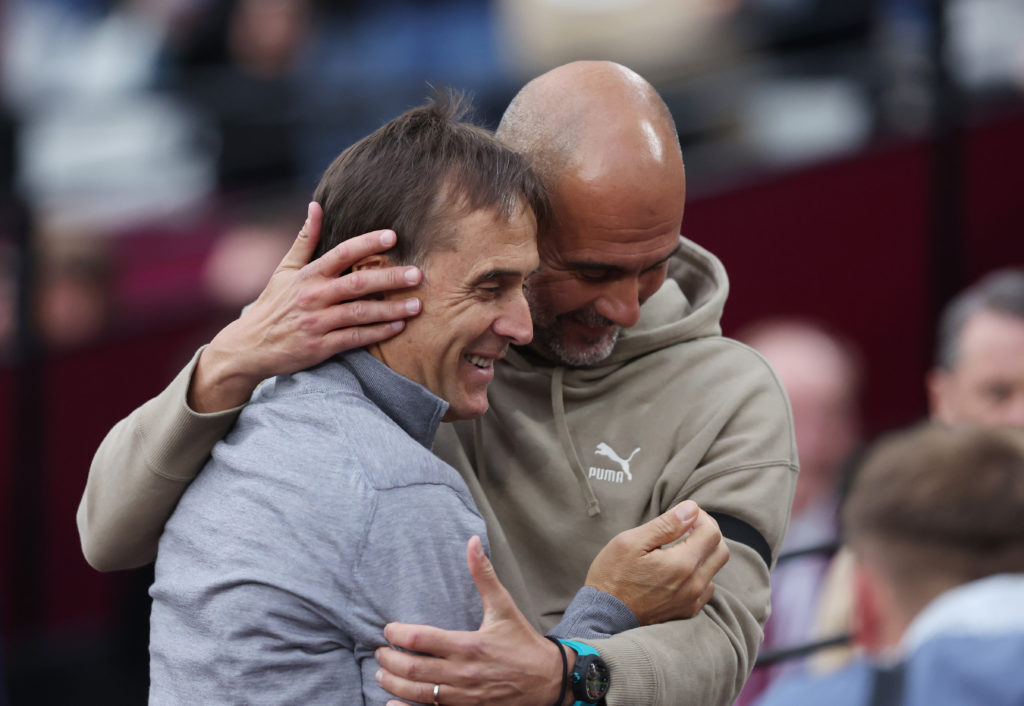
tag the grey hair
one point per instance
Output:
(1001, 292)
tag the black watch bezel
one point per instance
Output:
(590, 679)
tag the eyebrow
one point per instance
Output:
(497, 274)
(591, 265)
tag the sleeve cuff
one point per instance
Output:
(594, 614)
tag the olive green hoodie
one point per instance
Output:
(566, 458)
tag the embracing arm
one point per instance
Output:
(140, 471)
(306, 314)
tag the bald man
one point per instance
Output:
(628, 401)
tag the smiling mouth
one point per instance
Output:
(479, 361)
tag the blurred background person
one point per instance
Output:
(933, 523)
(821, 374)
(979, 354)
(977, 378)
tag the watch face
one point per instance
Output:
(595, 680)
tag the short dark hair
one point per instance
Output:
(416, 172)
(1001, 291)
(939, 506)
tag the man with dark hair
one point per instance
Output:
(979, 354)
(628, 402)
(323, 515)
(934, 523)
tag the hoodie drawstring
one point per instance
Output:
(562, 425)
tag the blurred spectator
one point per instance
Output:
(979, 359)
(245, 255)
(986, 52)
(821, 375)
(661, 39)
(73, 304)
(933, 521)
(239, 68)
(978, 378)
(99, 146)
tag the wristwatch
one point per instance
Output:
(590, 677)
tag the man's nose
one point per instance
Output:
(514, 323)
(620, 302)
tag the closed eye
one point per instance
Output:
(594, 275)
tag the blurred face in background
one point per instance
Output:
(821, 381)
(265, 36)
(986, 385)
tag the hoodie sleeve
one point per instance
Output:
(140, 471)
(745, 478)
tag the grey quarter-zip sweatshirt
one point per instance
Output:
(320, 518)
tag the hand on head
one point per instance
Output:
(308, 312)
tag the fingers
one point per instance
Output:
(705, 552)
(666, 527)
(368, 311)
(419, 692)
(704, 537)
(335, 342)
(361, 323)
(355, 285)
(305, 243)
(425, 639)
(409, 677)
(496, 600)
(347, 253)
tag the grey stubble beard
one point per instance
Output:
(549, 335)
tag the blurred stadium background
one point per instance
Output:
(852, 162)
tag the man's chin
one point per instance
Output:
(576, 354)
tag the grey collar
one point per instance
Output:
(414, 408)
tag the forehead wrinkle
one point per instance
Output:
(618, 267)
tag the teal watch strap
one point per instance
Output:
(581, 649)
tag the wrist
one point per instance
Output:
(570, 657)
(589, 678)
(559, 678)
(218, 384)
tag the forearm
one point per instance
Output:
(140, 471)
(702, 661)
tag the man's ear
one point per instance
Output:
(870, 608)
(372, 262)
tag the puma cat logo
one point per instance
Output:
(604, 449)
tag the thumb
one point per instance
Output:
(668, 526)
(305, 243)
(497, 602)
